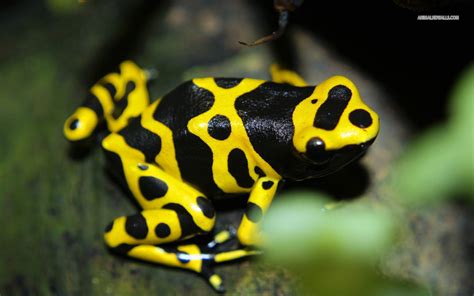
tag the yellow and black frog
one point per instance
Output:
(213, 138)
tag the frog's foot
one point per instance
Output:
(226, 254)
(209, 260)
(222, 237)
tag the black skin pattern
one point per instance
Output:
(227, 82)
(188, 226)
(259, 171)
(162, 230)
(206, 207)
(74, 124)
(253, 212)
(267, 185)
(136, 226)
(360, 118)
(267, 115)
(152, 187)
(110, 88)
(138, 137)
(193, 155)
(121, 105)
(238, 168)
(123, 248)
(93, 103)
(115, 166)
(219, 127)
(331, 110)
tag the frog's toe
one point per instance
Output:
(223, 236)
(214, 279)
(216, 282)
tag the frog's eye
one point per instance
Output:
(360, 118)
(316, 151)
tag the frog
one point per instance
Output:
(211, 139)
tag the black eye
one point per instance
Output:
(74, 124)
(316, 151)
(360, 118)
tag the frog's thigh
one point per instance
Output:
(259, 201)
(153, 188)
(281, 75)
(183, 209)
(173, 211)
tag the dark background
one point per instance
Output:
(416, 61)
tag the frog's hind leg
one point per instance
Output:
(281, 75)
(173, 211)
(141, 235)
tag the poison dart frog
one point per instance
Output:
(214, 138)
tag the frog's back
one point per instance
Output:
(217, 122)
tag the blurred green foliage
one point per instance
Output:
(440, 163)
(335, 252)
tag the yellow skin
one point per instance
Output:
(144, 156)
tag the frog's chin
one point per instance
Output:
(336, 160)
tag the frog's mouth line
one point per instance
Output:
(337, 159)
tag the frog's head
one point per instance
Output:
(333, 126)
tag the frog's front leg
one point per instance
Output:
(259, 201)
(282, 75)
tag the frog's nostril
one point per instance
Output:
(74, 124)
(316, 150)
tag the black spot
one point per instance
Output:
(267, 114)
(183, 257)
(259, 171)
(110, 88)
(136, 226)
(123, 248)
(314, 101)
(206, 207)
(186, 221)
(238, 167)
(360, 118)
(140, 138)
(122, 104)
(267, 185)
(219, 127)
(253, 212)
(193, 155)
(227, 82)
(330, 112)
(74, 124)
(152, 187)
(93, 103)
(109, 227)
(162, 230)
